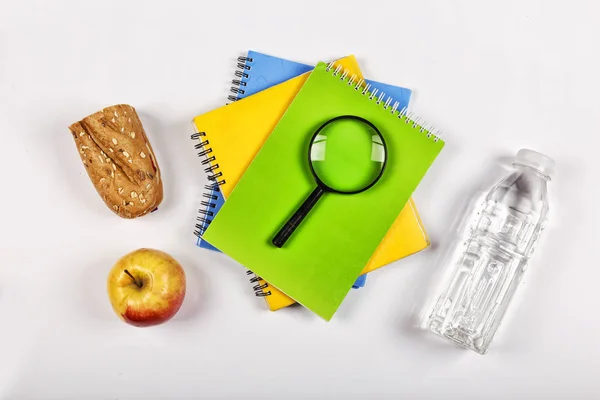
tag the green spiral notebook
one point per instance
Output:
(328, 251)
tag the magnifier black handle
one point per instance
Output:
(284, 234)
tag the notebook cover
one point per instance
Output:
(330, 249)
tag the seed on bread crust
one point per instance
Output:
(96, 141)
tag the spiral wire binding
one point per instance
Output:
(215, 177)
(387, 103)
(258, 288)
(240, 73)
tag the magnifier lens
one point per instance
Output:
(347, 155)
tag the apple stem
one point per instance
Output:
(139, 284)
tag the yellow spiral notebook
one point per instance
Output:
(232, 135)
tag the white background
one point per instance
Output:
(495, 76)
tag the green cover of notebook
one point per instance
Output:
(326, 254)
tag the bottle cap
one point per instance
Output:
(535, 160)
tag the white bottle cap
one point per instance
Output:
(535, 160)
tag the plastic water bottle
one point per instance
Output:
(498, 245)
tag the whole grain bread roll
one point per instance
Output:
(119, 160)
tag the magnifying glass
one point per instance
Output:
(347, 155)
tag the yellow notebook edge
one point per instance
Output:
(381, 256)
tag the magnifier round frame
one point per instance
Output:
(318, 180)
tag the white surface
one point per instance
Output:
(494, 78)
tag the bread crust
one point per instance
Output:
(119, 160)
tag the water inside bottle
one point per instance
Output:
(494, 257)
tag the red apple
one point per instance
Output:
(146, 287)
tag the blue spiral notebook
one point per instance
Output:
(256, 72)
